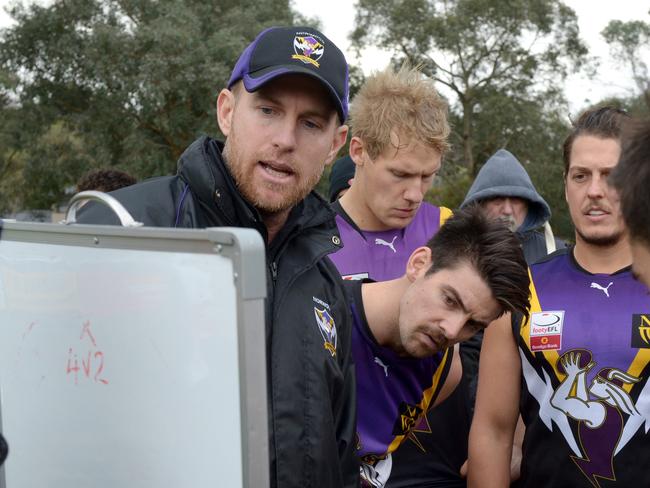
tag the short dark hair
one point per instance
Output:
(631, 177)
(105, 180)
(471, 236)
(605, 122)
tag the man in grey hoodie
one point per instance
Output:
(504, 189)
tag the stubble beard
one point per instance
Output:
(243, 176)
(601, 241)
(509, 221)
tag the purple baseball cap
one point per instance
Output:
(277, 51)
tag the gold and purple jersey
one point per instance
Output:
(382, 255)
(393, 394)
(585, 359)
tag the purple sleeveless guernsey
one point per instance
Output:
(585, 355)
(382, 255)
(393, 393)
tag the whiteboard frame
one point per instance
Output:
(247, 251)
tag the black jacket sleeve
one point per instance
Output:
(346, 420)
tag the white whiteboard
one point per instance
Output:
(120, 367)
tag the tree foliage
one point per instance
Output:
(476, 47)
(529, 131)
(502, 64)
(629, 41)
(120, 83)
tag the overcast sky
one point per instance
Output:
(337, 18)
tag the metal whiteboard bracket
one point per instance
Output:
(97, 196)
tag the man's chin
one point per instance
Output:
(397, 222)
(270, 202)
(509, 222)
(601, 239)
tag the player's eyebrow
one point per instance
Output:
(266, 96)
(452, 291)
(456, 296)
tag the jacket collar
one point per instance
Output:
(203, 168)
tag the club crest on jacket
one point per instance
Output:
(327, 328)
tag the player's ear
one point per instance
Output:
(357, 151)
(419, 262)
(338, 140)
(225, 109)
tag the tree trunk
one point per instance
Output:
(468, 154)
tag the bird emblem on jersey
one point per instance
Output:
(391, 244)
(596, 406)
(327, 329)
(376, 475)
(308, 49)
(604, 289)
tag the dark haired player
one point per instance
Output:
(471, 272)
(577, 369)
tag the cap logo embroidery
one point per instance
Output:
(308, 49)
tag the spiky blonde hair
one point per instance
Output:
(397, 108)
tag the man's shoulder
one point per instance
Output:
(534, 245)
(426, 222)
(561, 255)
(429, 212)
(151, 202)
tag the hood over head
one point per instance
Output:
(504, 176)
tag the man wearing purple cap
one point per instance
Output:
(282, 114)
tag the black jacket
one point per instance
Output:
(312, 412)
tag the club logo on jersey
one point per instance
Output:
(326, 326)
(604, 289)
(592, 402)
(546, 330)
(356, 276)
(408, 416)
(308, 48)
(390, 245)
(641, 330)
